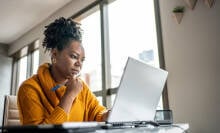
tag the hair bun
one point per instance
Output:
(59, 33)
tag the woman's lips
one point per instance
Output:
(75, 71)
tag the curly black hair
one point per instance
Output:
(60, 33)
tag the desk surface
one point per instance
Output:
(176, 128)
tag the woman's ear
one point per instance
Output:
(53, 53)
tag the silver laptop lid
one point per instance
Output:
(139, 92)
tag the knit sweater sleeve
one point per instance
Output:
(95, 110)
(32, 110)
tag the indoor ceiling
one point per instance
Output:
(20, 16)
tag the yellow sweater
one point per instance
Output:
(38, 104)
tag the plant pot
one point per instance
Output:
(191, 3)
(209, 3)
(178, 16)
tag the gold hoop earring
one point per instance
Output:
(54, 61)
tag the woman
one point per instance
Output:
(56, 94)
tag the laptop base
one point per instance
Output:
(122, 125)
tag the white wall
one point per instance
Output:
(192, 59)
(37, 32)
(5, 76)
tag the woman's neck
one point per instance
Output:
(58, 78)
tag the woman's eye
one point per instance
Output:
(83, 60)
(74, 57)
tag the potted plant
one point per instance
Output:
(178, 9)
(178, 13)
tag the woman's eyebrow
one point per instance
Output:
(74, 52)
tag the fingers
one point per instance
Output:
(73, 81)
(74, 85)
(105, 115)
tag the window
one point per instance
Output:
(113, 31)
(92, 43)
(91, 40)
(25, 64)
(131, 37)
(22, 71)
(35, 61)
(131, 33)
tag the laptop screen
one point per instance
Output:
(139, 92)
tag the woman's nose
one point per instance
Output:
(79, 62)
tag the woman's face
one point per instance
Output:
(69, 61)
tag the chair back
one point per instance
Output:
(11, 114)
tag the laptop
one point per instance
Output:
(138, 94)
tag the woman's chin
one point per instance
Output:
(72, 75)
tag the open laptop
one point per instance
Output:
(138, 94)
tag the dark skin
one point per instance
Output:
(65, 70)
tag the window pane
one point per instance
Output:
(35, 61)
(22, 72)
(132, 32)
(91, 40)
